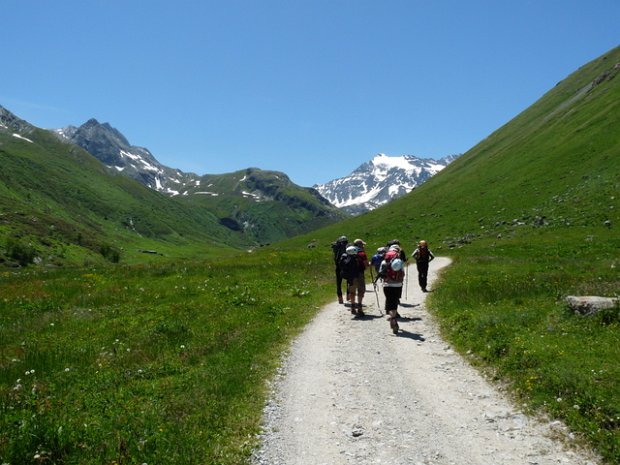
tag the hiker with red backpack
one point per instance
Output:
(423, 256)
(392, 273)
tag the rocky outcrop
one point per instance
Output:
(589, 305)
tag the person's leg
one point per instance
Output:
(361, 291)
(351, 287)
(339, 285)
(391, 306)
(424, 276)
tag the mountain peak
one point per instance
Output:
(380, 180)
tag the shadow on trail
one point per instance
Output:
(406, 305)
(410, 335)
(365, 316)
(409, 318)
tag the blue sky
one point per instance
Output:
(310, 88)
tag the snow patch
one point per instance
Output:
(213, 194)
(22, 137)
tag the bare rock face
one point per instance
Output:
(589, 304)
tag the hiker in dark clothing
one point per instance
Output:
(339, 248)
(423, 256)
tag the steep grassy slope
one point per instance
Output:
(58, 203)
(531, 215)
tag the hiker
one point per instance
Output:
(352, 266)
(423, 256)
(339, 248)
(392, 273)
(362, 259)
(394, 251)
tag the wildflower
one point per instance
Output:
(182, 346)
(67, 370)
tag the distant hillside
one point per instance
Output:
(265, 205)
(112, 148)
(59, 205)
(262, 206)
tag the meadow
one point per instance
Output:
(147, 363)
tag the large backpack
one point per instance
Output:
(339, 248)
(392, 274)
(349, 266)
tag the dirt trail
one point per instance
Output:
(351, 392)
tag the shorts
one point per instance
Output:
(392, 296)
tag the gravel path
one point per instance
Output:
(351, 392)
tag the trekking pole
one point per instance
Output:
(374, 285)
(406, 281)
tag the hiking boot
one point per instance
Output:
(394, 325)
(340, 300)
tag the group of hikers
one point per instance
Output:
(388, 264)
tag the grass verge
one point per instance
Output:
(505, 307)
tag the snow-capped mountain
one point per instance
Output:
(382, 179)
(112, 148)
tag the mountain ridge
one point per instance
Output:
(380, 180)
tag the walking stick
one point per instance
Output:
(374, 285)
(406, 281)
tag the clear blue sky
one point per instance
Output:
(313, 88)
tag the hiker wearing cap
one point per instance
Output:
(339, 248)
(423, 256)
(360, 282)
(352, 266)
(392, 273)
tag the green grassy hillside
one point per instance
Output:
(59, 205)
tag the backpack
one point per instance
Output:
(338, 248)
(349, 266)
(422, 255)
(392, 274)
(376, 260)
